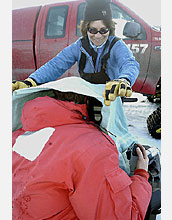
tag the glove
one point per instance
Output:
(23, 84)
(117, 87)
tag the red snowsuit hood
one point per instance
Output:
(43, 111)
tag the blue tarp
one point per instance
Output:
(113, 117)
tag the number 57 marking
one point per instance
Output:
(138, 48)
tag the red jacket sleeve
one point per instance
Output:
(104, 191)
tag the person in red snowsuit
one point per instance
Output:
(76, 173)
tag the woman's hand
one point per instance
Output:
(114, 88)
(143, 159)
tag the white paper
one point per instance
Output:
(31, 144)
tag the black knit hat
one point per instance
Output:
(97, 10)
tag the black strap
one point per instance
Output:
(107, 55)
(82, 62)
(86, 45)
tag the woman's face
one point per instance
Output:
(100, 37)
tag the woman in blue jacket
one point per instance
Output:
(100, 55)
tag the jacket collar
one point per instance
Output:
(48, 112)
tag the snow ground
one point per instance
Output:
(137, 114)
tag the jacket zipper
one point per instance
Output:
(88, 59)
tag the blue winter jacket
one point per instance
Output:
(121, 63)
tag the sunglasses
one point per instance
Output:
(95, 31)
